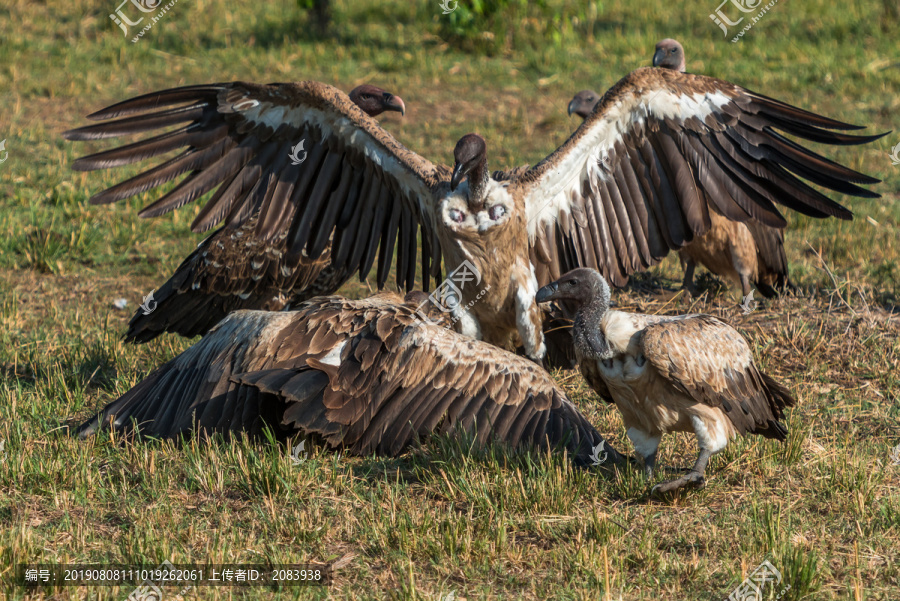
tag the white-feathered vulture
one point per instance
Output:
(367, 376)
(638, 178)
(233, 268)
(690, 373)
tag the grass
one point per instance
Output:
(482, 524)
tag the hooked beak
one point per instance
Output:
(394, 103)
(547, 292)
(458, 174)
(573, 106)
(658, 56)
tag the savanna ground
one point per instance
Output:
(824, 507)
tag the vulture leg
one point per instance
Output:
(645, 445)
(746, 287)
(689, 265)
(692, 479)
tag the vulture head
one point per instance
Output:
(374, 101)
(588, 293)
(583, 103)
(669, 55)
(470, 160)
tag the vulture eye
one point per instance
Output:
(573, 283)
(496, 212)
(457, 215)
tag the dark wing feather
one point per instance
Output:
(659, 151)
(369, 376)
(236, 140)
(711, 362)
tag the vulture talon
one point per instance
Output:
(692, 480)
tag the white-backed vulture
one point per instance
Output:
(689, 373)
(637, 179)
(369, 376)
(746, 253)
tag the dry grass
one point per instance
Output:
(485, 524)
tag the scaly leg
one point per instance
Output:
(692, 479)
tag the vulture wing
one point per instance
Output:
(711, 362)
(349, 183)
(637, 178)
(368, 375)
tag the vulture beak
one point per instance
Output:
(658, 56)
(573, 106)
(459, 173)
(394, 103)
(546, 293)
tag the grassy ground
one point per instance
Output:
(823, 508)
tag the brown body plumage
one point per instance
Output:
(640, 177)
(691, 373)
(367, 376)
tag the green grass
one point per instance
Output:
(486, 524)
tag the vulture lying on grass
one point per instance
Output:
(746, 253)
(641, 176)
(233, 268)
(367, 376)
(691, 373)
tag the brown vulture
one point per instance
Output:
(689, 373)
(368, 376)
(641, 176)
(746, 253)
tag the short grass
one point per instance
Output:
(824, 507)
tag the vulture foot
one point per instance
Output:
(692, 479)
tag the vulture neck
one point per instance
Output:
(588, 333)
(478, 180)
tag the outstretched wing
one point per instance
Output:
(352, 184)
(711, 362)
(637, 178)
(369, 375)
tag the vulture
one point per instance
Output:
(233, 269)
(746, 253)
(689, 373)
(367, 376)
(641, 176)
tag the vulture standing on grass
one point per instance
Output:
(691, 373)
(233, 268)
(747, 253)
(368, 376)
(641, 176)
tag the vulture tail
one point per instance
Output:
(779, 397)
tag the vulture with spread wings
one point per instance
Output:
(637, 179)
(368, 376)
